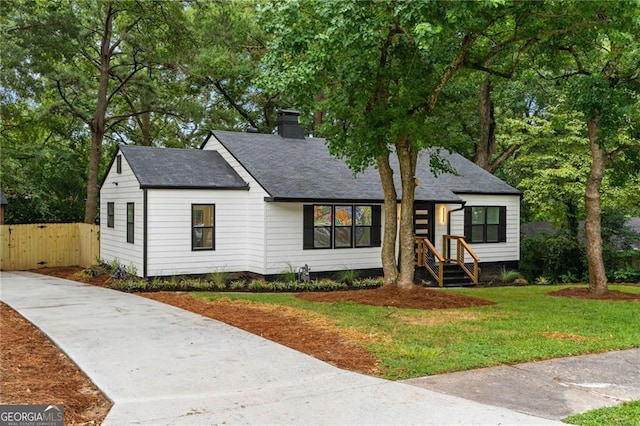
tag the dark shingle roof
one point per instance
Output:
(181, 168)
(304, 170)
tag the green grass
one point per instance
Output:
(626, 414)
(525, 325)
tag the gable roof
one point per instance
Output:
(181, 168)
(295, 169)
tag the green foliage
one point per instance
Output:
(625, 414)
(289, 274)
(627, 274)
(525, 324)
(218, 278)
(368, 283)
(542, 281)
(552, 257)
(348, 276)
(509, 276)
(237, 285)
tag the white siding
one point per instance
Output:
(284, 245)
(113, 241)
(254, 205)
(169, 232)
(493, 252)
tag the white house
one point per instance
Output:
(262, 203)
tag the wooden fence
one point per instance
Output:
(48, 245)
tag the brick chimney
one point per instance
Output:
(288, 126)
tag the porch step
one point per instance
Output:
(453, 275)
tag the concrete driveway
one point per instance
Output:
(161, 365)
(553, 389)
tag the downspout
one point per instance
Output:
(144, 233)
(449, 225)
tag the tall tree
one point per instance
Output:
(381, 68)
(602, 76)
(97, 56)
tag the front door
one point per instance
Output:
(423, 223)
(423, 219)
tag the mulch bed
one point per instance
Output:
(34, 371)
(415, 297)
(583, 293)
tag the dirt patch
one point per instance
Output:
(295, 330)
(34, 371)
(440, 318)
(583, 293)
(565, 336)
(415, 297)
(74, 273)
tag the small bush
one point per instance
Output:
(218, 278)
(348, 276)
(289, 274)
(509, 276)
(237, 285)
(543, 281)
(130, 285)
(368, 283)
(626, 274)
(258, 285)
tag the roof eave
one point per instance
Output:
(220, 188)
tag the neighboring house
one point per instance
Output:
(262, 203)
(3, 202)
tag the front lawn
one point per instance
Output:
(625, 414)
(524, 325)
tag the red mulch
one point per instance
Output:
(34, 371)
(583, 293)
(415, 297)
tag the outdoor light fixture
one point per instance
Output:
(443, 214)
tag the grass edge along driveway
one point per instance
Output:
(525, 325)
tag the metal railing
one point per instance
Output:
(463, 253)
(428, 256)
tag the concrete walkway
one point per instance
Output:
(553, 389)
(161, 365)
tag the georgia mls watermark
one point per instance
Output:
(32, 415)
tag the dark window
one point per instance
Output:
(341, 226)
(203, 226)
(110, 215)
(130, 221)
(485, 224)
(118, 163)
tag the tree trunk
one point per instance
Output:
(486, 146)
(407, 157)
(597, 275)
(389, 263)
(97, 125)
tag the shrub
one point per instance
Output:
(368, 283)
(289, 274)
(552, 257)
(509, 276)
(542, 281)
(237, 285)
(258, 285)
(218, 278)
(130, 285)
(348, 276)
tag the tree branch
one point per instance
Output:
(243, 113)
(502, 157)
(76, 112)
